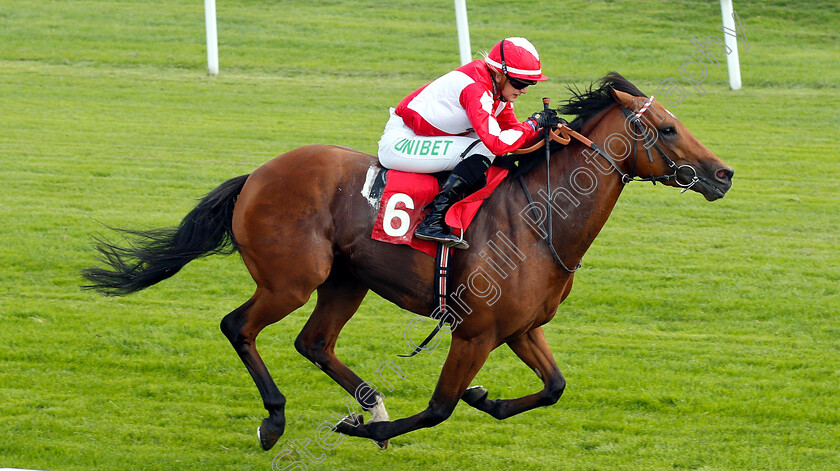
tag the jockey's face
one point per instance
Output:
(508, 92)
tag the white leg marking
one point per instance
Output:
(378, 411)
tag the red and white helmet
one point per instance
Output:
(517, 58)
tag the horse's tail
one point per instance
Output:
(155, 255)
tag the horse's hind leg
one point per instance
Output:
(465, 358)
(241, 327)
(338, 299)
(533, 349)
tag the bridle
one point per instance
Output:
(565, 133)
(636, 120)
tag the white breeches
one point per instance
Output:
(401, 149)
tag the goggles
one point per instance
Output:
(519, 84)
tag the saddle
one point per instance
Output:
(401, 197)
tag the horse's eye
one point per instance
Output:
(668, 130)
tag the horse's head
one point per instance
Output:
(669, 142)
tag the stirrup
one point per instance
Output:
(443, 239)
(454, 243)
(460, 243)
(448, 240)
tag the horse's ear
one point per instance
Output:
(622, 98)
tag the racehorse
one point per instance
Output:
(302, 223)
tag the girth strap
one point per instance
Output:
(441, 292)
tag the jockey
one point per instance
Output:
(461, 122)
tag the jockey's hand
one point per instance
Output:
(545, 119)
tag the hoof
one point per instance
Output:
(269, 433)
(474, 395)
(349, 425)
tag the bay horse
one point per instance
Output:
(302, 223)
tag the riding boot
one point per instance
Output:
(433, 227)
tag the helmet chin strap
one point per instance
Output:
(499, 86)
(504, 70)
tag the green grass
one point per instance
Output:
(698, 336)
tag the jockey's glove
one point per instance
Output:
(545, 119)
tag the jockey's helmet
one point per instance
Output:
(517, 58)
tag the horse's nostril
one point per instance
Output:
(724, 174)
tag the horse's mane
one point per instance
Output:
(583, 105)
(591, 101)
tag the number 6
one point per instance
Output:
(391, 213)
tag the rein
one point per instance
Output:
(563, 135)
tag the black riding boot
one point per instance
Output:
(466, 174)
(433, 228)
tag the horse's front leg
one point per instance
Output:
(464, 360)
(533, 349)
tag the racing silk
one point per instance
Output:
(462, 101)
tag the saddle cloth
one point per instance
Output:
(402, 195)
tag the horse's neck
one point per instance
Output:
(584, 190)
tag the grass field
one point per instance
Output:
(698, 336)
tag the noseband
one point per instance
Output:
(636, 119)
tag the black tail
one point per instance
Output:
(155, 255)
